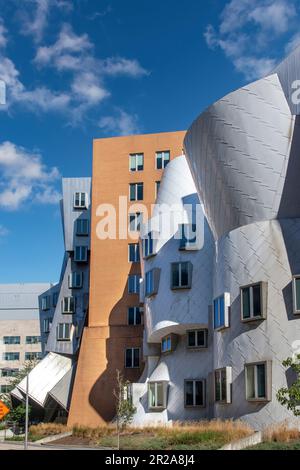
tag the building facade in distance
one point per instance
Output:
(20, 334)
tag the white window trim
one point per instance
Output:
(268, 381)
(163, 152)
(226, 311)
(194, 393)
(70, 280)
(262, 316)
(296, 312)
(165, 392)
(46, 303)
(197, 346)
(136, 185)
(138, 220)
(228, 399)
(132, 358)
(64, 332)
(135, 310)
(68, 310)
(135, 156)
(190, 268)
(80, 206)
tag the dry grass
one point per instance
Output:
(179, 433)
(47, 429)
(281, 433)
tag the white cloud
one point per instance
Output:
(246, 30)
(25, 178)
(293, 43)
(3, 31)
(121, 123)
(35, 16)
(119, 66)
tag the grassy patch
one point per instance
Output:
(293, 445)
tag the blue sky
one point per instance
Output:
(78, 70)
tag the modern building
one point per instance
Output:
(63, 309)
(20, 334)
(243, 154)
(129, 168)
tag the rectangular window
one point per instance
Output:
(133, 253)
(181, 275)
(82, 227)
(194, 392)
(162, 159)
(258, 381)
(81, 254)
(188, 237)
(134, 316)
(157, 395)
(33, 339)
(4, 388)
(80, 200)
(33, 356)
(135, 221)
(148, 245)
(152, 282)
(11, 339)
(296, 294)
(68, 305)
(9, 372)
(136, 162)
(55, 296)
(221, 311)
(64, 331)
(223, 380)
(197, 339)
(157, 186)
(134, 283)
(132, 358)
(252, 305)
(11, 356)
(75, 280)
(46, 325)
(46, 302)
(136, 191)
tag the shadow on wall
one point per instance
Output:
(120, 337)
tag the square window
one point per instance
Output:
(157, 395)
(64, 332)
(80, 200)
(181, 275)
(162, 159)
(253, 302)
(75, 280)
(68, 305)
(81, 254)
(136, 191)
(197, 339)
(194, 391)
(82, 227)
(136, 162)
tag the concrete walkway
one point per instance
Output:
(20, 446)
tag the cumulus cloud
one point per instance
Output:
(121, 123)
(246, 29)
(25, 178)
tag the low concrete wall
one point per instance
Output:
(5, 433)
(45, 440)
(252, 440)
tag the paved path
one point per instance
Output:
(20, 446)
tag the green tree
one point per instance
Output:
(17, 413)
(124, 406)
(290, 397)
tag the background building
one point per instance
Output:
(20, 334)
(131, 167)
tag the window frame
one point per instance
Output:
(295, 310)
(136, 311)
(148, 245)
(11, 352)
(81, 233)
(138, 220)
(267, 384)
(70, 278)
(49, 323)
(33, 342)
(189, 271)
(46, 303)
(137, 187)
(194, 381)
(136, 247)
(10, 343)
(37, 355)
(69, 300)
(226, 324)
(136, 165)
(228, 377)
(83, 249)
(137, 278)
(263, 301)
(197, 331)
(164, 162)
(80, 206)
(165, 386)
(64, 338)
(132, 349)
